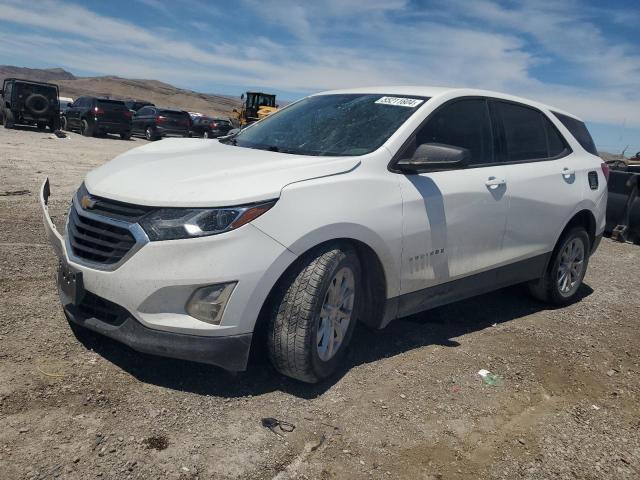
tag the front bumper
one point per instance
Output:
(230, 353)
(154, 284)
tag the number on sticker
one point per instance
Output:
(400, 101)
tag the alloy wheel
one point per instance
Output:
(571, 266)
(335, 314)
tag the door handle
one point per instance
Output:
(568, 172)
(495, 182)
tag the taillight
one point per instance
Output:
(98, 111)
(605, 170)
(213, 125)
(161, 119)
(127, 113)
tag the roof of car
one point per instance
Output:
(24, 80)
(429, 91)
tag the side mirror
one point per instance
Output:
(242, 97)
(435, 156)
(1, 91)
(69, 104)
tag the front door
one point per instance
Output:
(453, 221)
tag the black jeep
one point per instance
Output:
(28, 103)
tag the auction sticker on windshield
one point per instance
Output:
(400, 101)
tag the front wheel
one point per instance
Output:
(314, 313)
(8, 119)
(566, 270)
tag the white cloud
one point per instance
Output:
(344, 43)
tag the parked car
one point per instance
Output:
(154, 123)
(94, 115)
(208, 127)
(29, 103)
(135, 105)
(347, 206)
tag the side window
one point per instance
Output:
(579, 130)
(143, 111)
(465, 124)
(557, 144)
(525, 132)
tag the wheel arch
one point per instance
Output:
(583, 218)
(373, 275)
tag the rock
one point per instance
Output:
(23, 430)
(611, 372)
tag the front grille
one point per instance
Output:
(93, 306)
(113, 209)
(98, 241)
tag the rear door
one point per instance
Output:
(541, 174)
(453, 221)
(73, 113)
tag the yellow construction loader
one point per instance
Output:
(256, 106)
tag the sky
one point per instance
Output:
(577, 55)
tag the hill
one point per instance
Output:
(161, 94)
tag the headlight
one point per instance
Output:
(174, 223)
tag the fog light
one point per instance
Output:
(207, 303)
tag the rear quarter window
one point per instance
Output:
(579, 131)
(528, 133)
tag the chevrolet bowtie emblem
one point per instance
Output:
(87, 202)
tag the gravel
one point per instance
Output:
(408, 404)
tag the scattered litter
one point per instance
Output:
(14, 193)
(156, 443)
(490, 378)
(59, 134)
(57, 375)
(271, 423)
(595, 407)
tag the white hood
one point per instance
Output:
(205, 173)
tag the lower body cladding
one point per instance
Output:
(112, 127)
(145, 301)
(171, 132)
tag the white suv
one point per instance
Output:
(354, 205)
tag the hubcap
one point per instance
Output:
(335, 314)
(570, 268)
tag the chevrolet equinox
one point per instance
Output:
(360, 205)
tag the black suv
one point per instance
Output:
(155, 123)
(208, 127)
(28, 103)
(92, 115)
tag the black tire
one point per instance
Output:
(125, 135)
(41, 125)
(8, 119)
(85, 128)
(148, 134)
(547, 288)
(63, 123)
(294, 317)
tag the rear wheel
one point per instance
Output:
(125, 135)
(314, 314)
(148, 134)
(85, 129)
(41, 125)
(63, 123)
(568, 265)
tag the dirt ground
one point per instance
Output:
(408, 404)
